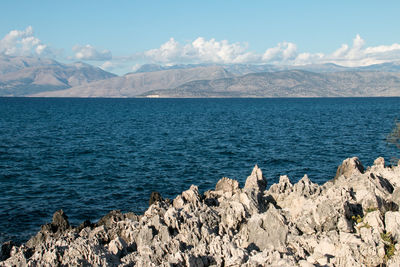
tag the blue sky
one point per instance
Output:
(121, 35)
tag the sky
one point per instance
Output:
(119, 36)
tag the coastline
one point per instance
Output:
(351, 220)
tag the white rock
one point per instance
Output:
(227, 185)
(392, 223)
(379, 162)
(116, 246)
(374, 219)
(349, 167)
(256, 180)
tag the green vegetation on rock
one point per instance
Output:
(389, 245)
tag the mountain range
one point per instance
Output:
(292, 83)
(29, 76)
(136, 84)
(23, 76)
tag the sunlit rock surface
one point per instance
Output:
(351, 220)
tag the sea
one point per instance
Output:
(91, 156)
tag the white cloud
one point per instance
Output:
(351, 56)
(135, 67)
(88, 52)
(169, 51)
(341, 51)
(308, 58)
(200, 51)
(22, 43)
(219, 52)
(283, 52)
(40, 48)
(212, 51)
(359, 55)
(108, 65)
(120, 65)
(356, 52)
(382, 49)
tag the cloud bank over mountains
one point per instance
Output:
(201, 50)
(21, 43)
(223, 52)
(88, 52)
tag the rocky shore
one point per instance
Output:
(351, 220)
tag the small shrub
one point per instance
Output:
(366, 225)
(357, 219)
(371, 209)
(389, 245)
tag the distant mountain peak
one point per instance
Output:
(20, 76)
(80, 64)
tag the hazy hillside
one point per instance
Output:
(13, 63)
(29, 76)
(156, 67)
(387, 67)
(293, 83)
(20, 76)
(135, 84)
(242, 69)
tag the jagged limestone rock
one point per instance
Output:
(227, 185)
(339, 223)
(267, 230)
(305, 187)
(349, 167)
(396, 196)
(57, 227)
(154, 197)
(283, 187)
(60, 221)
(379, 162)
(6, 250)
(392, 224)
(256, 180)
(191, 196)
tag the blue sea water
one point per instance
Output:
(90, 156)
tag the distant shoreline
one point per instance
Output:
(160, 97)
